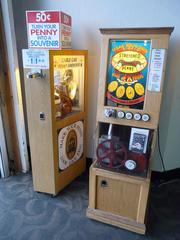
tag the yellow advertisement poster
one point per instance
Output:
(127, 72)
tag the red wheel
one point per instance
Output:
(111, 153)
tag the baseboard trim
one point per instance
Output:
(115, 220)
(166, 176)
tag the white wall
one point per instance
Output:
(90, 15)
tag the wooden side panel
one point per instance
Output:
(142, 205)
(92, 188)
(7, 104)
(68, 175)
(118, 197)
(40, 133)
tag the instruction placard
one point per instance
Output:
(48, 29)
(156, 70)
(34, 58)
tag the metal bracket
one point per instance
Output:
(36, 75)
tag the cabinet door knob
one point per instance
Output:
(104, 183)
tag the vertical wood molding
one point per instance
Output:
(15, 83)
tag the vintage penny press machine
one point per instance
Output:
(55, 81)
(133, 63)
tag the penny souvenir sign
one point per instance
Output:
(127, 72)
(70, 142)
(48, 29)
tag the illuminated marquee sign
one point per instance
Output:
(48, 29)
(127, 72)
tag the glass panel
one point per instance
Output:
(127, 73)
(68, 84)
(127, 150)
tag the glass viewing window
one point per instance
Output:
(68, 84)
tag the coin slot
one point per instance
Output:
(104, 183)
(42, 116)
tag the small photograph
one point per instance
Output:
(138, 140)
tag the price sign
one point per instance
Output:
(46, 29)
(43, 17)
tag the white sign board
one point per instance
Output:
(34, 58)
(48, 29)
(156, 70)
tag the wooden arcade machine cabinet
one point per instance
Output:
(56, 110)
(133, 63)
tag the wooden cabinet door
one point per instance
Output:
(118, 197)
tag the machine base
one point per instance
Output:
(115, 220)
(118, 199)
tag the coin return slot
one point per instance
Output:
(42, 116)
(104, 183)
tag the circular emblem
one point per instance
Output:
(71, 144)
(130, 92)
(139, 88)
(129, 61)
(120, 92)
(112, 86)
(130, 164)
